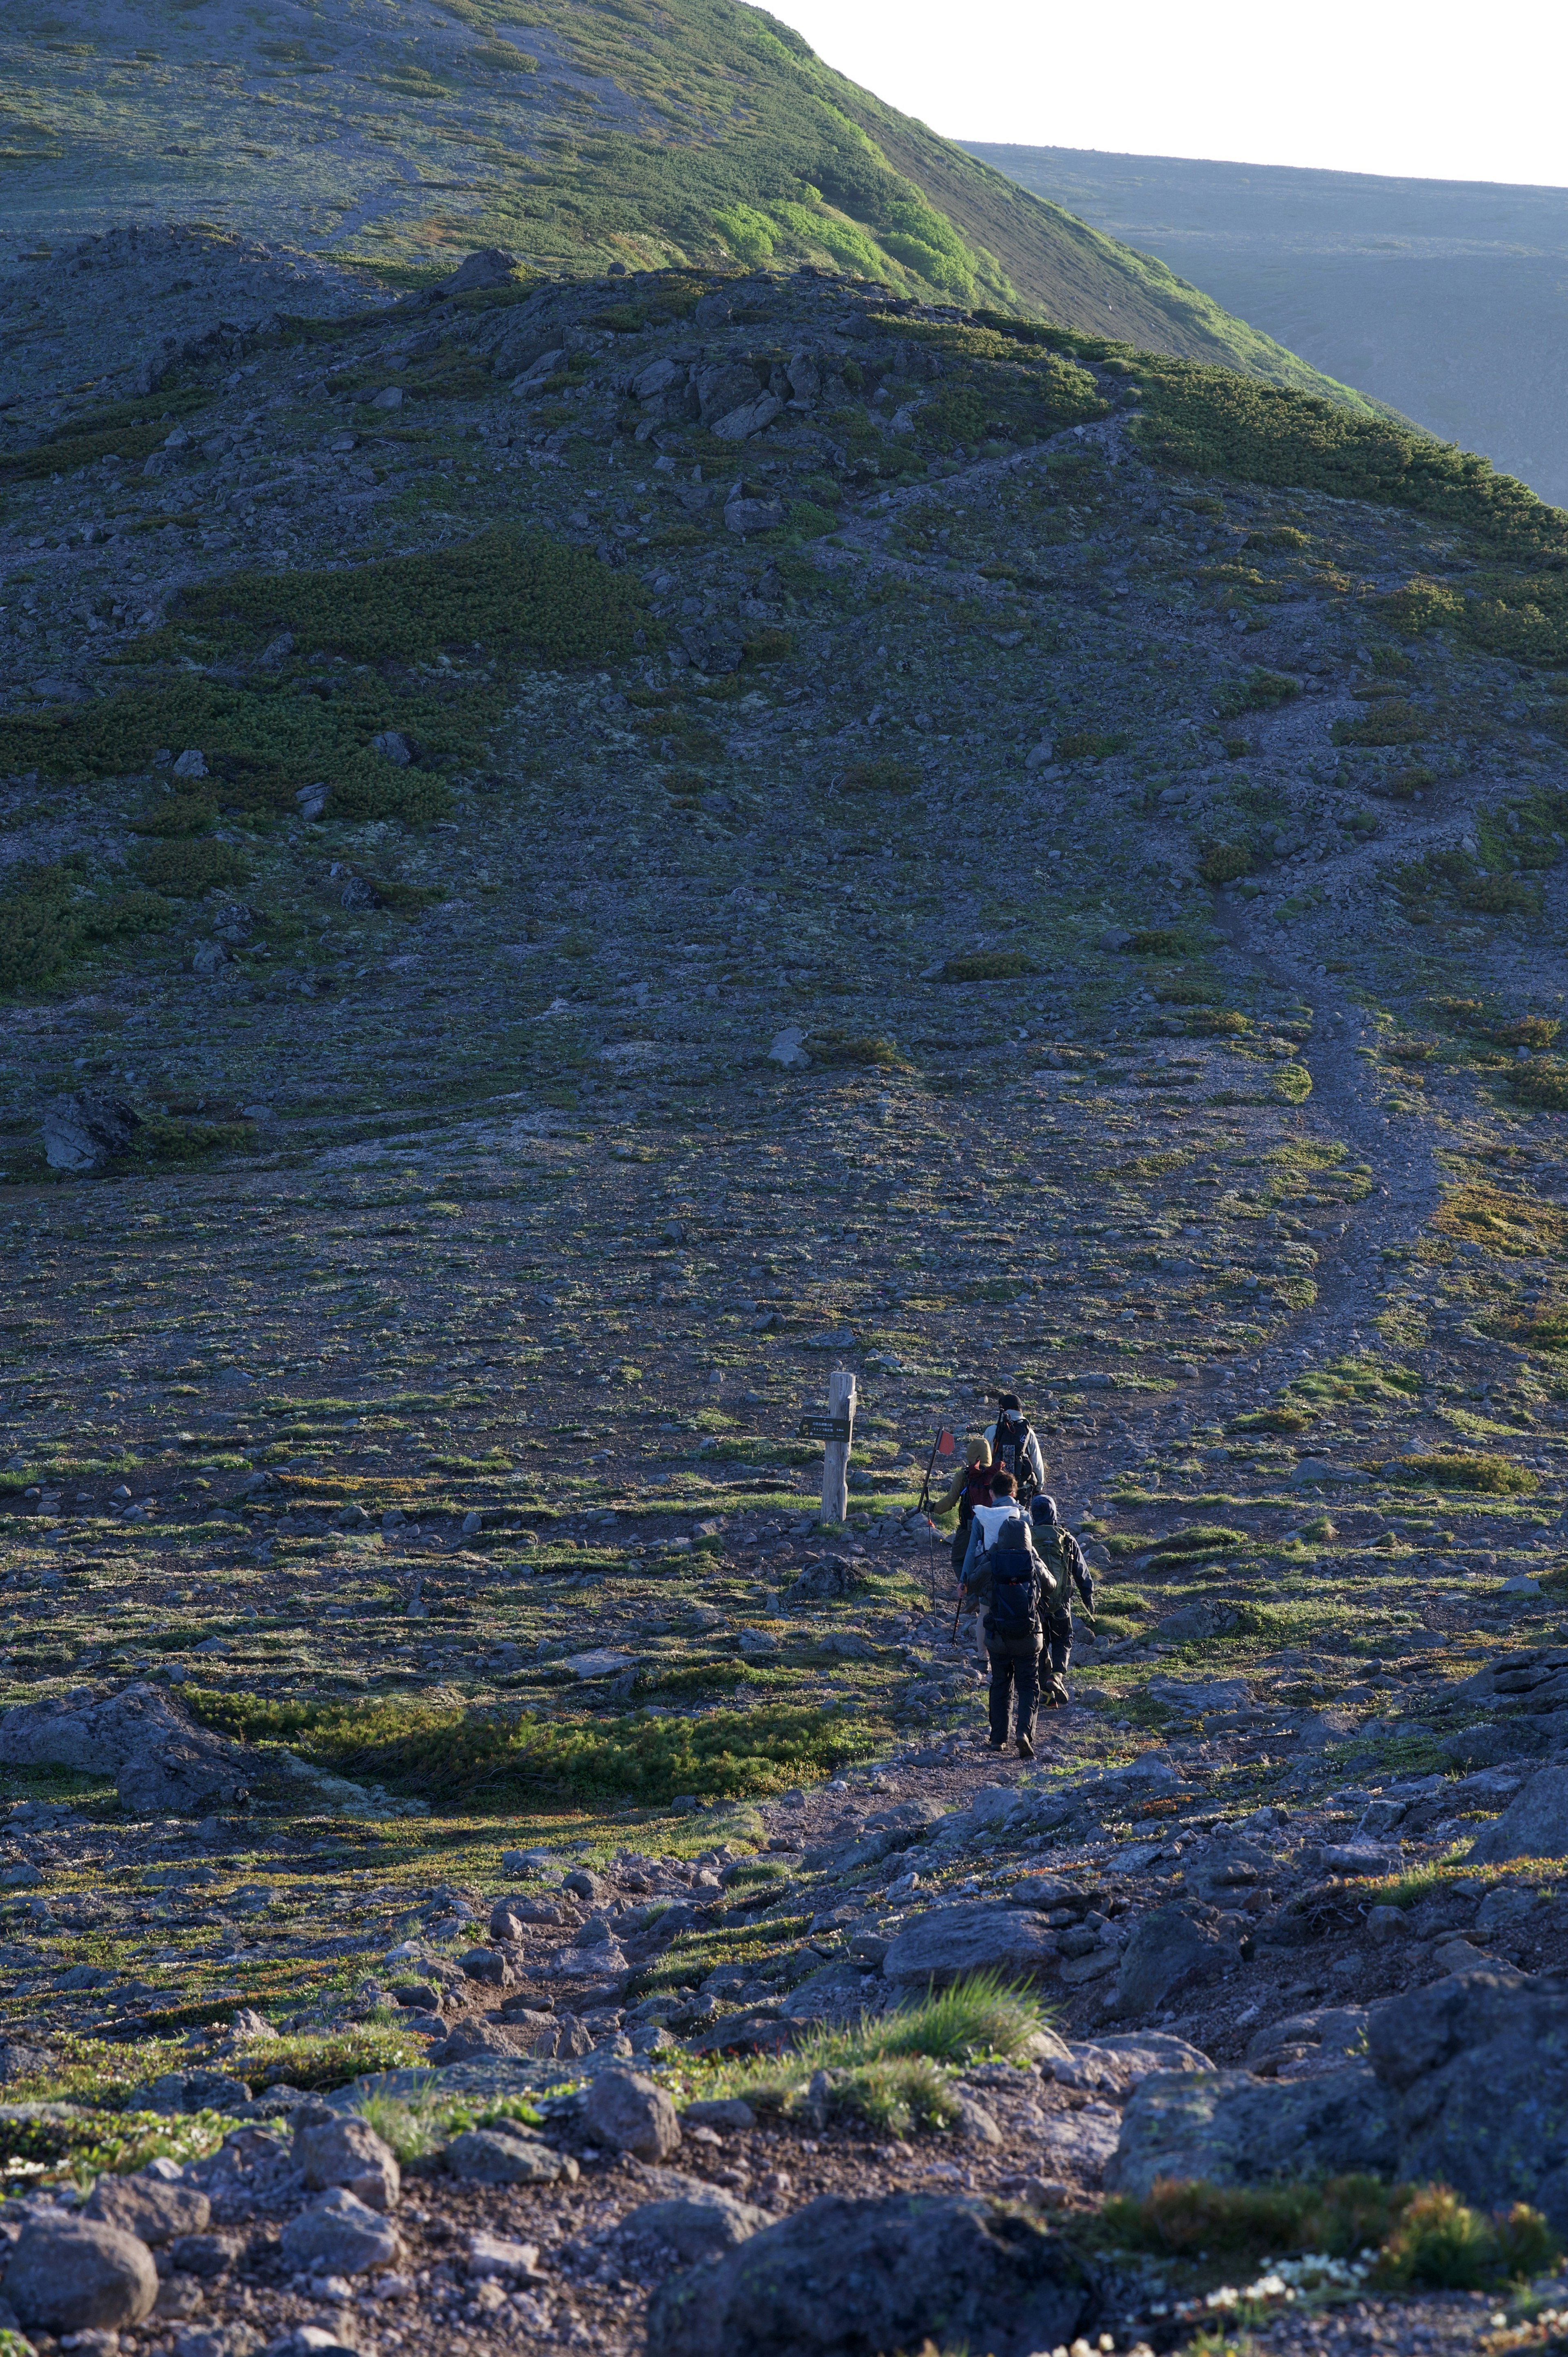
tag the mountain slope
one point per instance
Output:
(1442, 297)
(650, 132)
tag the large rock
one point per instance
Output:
(629, 2113)
(490, 2157)
(1230, 2128)
(847, 2278)
(85, 1132)
(701, 2226)
(343, 2149)
(339, 2235)
(952, 1942)
(77, 2275)
(1167, 1952)
(1534, 1823)
(1476, 2068)
(163, 1762)
(148, 2207)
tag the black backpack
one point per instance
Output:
(1009, 1451)
(1013, 1610)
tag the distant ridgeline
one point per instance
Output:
(700, 132)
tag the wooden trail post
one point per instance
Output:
(836, 1456)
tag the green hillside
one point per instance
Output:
(632, 131)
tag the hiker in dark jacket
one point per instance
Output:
(1064, 1556)
(1014, 1586)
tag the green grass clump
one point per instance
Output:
(1199, 1539)
(509, 592)
(890, 2071)
(1543, 1087)
(1442, 2244)
(1222, 862)
(988, 965)
(885, 776)
(861, 1052)
(1493, 1477)
(1261, 691)
(483, 1759)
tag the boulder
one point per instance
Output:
(496, 2254)
(163, 1762)
(339, 2235)
(703, 2227)
(86, 1131)
(843, 2278)
(629, 2113)
(487, 1965)
(1082, 2143)
(1167, 1952)
(949, 1942)
(836, 1993)
(1230, 2128)
(79, 2274)
(1534, 1823)
(343, 2149)
(148, 2207)
(1475, 2068)
(492, 266)
(493, 2157)
(721, 2112)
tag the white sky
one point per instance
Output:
(1418, 87)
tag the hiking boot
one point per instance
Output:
(1025, 1749)
(997, 1742)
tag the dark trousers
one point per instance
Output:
(1058, 1633)
(1014, 1662)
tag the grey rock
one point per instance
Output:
(204, 2255)
(975, 2122)
(726, 387)
(491, 2157)
(1475, 2067)
(347, 2151)
(1326, 2040)
(1534, 1823)
(721, 2112)
(338, 2234)
(79, 2274)
(489, 265)
(487, 1965)
(789, 1049)
(949, 1942)
(85, 1132)
(745, 420)
(844, 2278)
(148, 2207)
(471, 2039)
(629, 2113)
(164, 1763)
(834, 1993)
(1230, 2128)
(174, 2091)
(746, 516)
(699, 2228)
(495, 2254)
(837, 1576)
(1167, 1952)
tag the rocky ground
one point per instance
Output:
(478, 1054)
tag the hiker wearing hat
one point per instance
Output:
(1060, 1551)
(1015, 1447)
(970, 1487)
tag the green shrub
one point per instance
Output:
(1183, 2219)
(488, 1760)
(514, 592)
(1493, 1477)
(1199, 1539)
(183, 812)
(988, 965)
(125, 914)
(833, 1049)
(188, 869)
(1086, 745)
(1261, 691)
(1156, 940)
(1543, 1086)
(1422, 606)
(1391, 721)
(1217, 1023)
(39, 931)
(1222, 862)
(1441, 2244)
(1293, 1081)
(881, 776)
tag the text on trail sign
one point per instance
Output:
(824, 1428)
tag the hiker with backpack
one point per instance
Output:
(1064, 1556)
(1015, 1448)
(1016, 1588)
(970, 1487)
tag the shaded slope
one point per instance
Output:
(642, 132)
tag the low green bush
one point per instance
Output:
(511, 592)
(187, 869)
(1261, 691)
(488, 1759)
(885, 776)
(1223, 863)
(1495, 1476)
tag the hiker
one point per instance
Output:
(970, 1487)
(1017, 1589)
(1062, 1553)
(1015, 1448)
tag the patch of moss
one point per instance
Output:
(188, 869)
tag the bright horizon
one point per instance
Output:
(1402, 91)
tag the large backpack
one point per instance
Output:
(1048, 1538)
(1009, 1451)
(1014, 1571)
(977, 1493)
